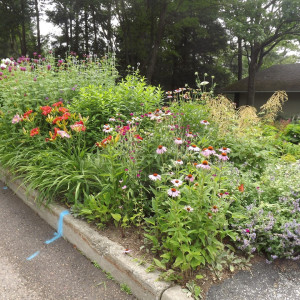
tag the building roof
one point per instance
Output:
(275, 78)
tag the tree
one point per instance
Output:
(261, 25)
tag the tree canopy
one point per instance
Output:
(168, 40)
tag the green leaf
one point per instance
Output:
(117, 217)
(159, 264)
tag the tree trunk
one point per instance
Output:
(38, 34)
(86, 31)
(157, 42)
(76, 45)
(251, 84)
(240, 59)
(23, 41)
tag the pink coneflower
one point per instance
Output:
(189, 134)
(223, 156)
(63, 134)
(190, 177)
(176, 182)
(155, 177)
(112, 119)
(194, 147)
(178, 162)
(205, 152)
(178, 141)
(223, 195)
(161, 149)
(173, 192)
(209, 215)
(225, 150)
(211, 150)
(204, 122)
(107, 129)
(171, 127)
(204, 165)
(188, 208)
(215, 209)
(16, 119)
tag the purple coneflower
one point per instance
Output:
(173, 192)
(194, 147)
(190, 177)
(223, 156)
(161, 149)
(176, 182)
(155, 177)
(188, 208)
(178, 141)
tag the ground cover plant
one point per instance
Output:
(200, 179)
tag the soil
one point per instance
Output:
(134, 240)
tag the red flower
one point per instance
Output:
(56, 120)
(138, 137)
(29, 112)
(63, 109)
(57, 104)
(104, 142)
(241, 188)
(34, 131)
(66, 116)
(46, 110)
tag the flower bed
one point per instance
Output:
(199, 177)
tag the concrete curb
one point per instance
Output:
(99, 249)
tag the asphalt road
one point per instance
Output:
(59, 271)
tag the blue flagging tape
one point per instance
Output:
(57, 234)
(33, 255)
(5, 187)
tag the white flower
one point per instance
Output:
(188, 208)
(111, 119)
(155, 177)
(204, 82)
(176, 182)
(194, 147)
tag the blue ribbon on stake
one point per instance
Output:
(57, 234)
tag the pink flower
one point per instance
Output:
(205, 152)
(190, 177)
(178, 162)
(204, 122)
(225, 150)
(63, 134)
(211, 150)
(126, 251)
(173, 192)
(203, 165)
(223, 156)
(176, 182)
(16, 119)
(215, 209)
(107, 128)
(124, 187)
(188, 208)
(161, 149)
(178, 141)
(155, 177)
(189, 134)
(194, 147)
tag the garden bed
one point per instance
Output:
(205, 184)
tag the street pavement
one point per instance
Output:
(58, 272)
